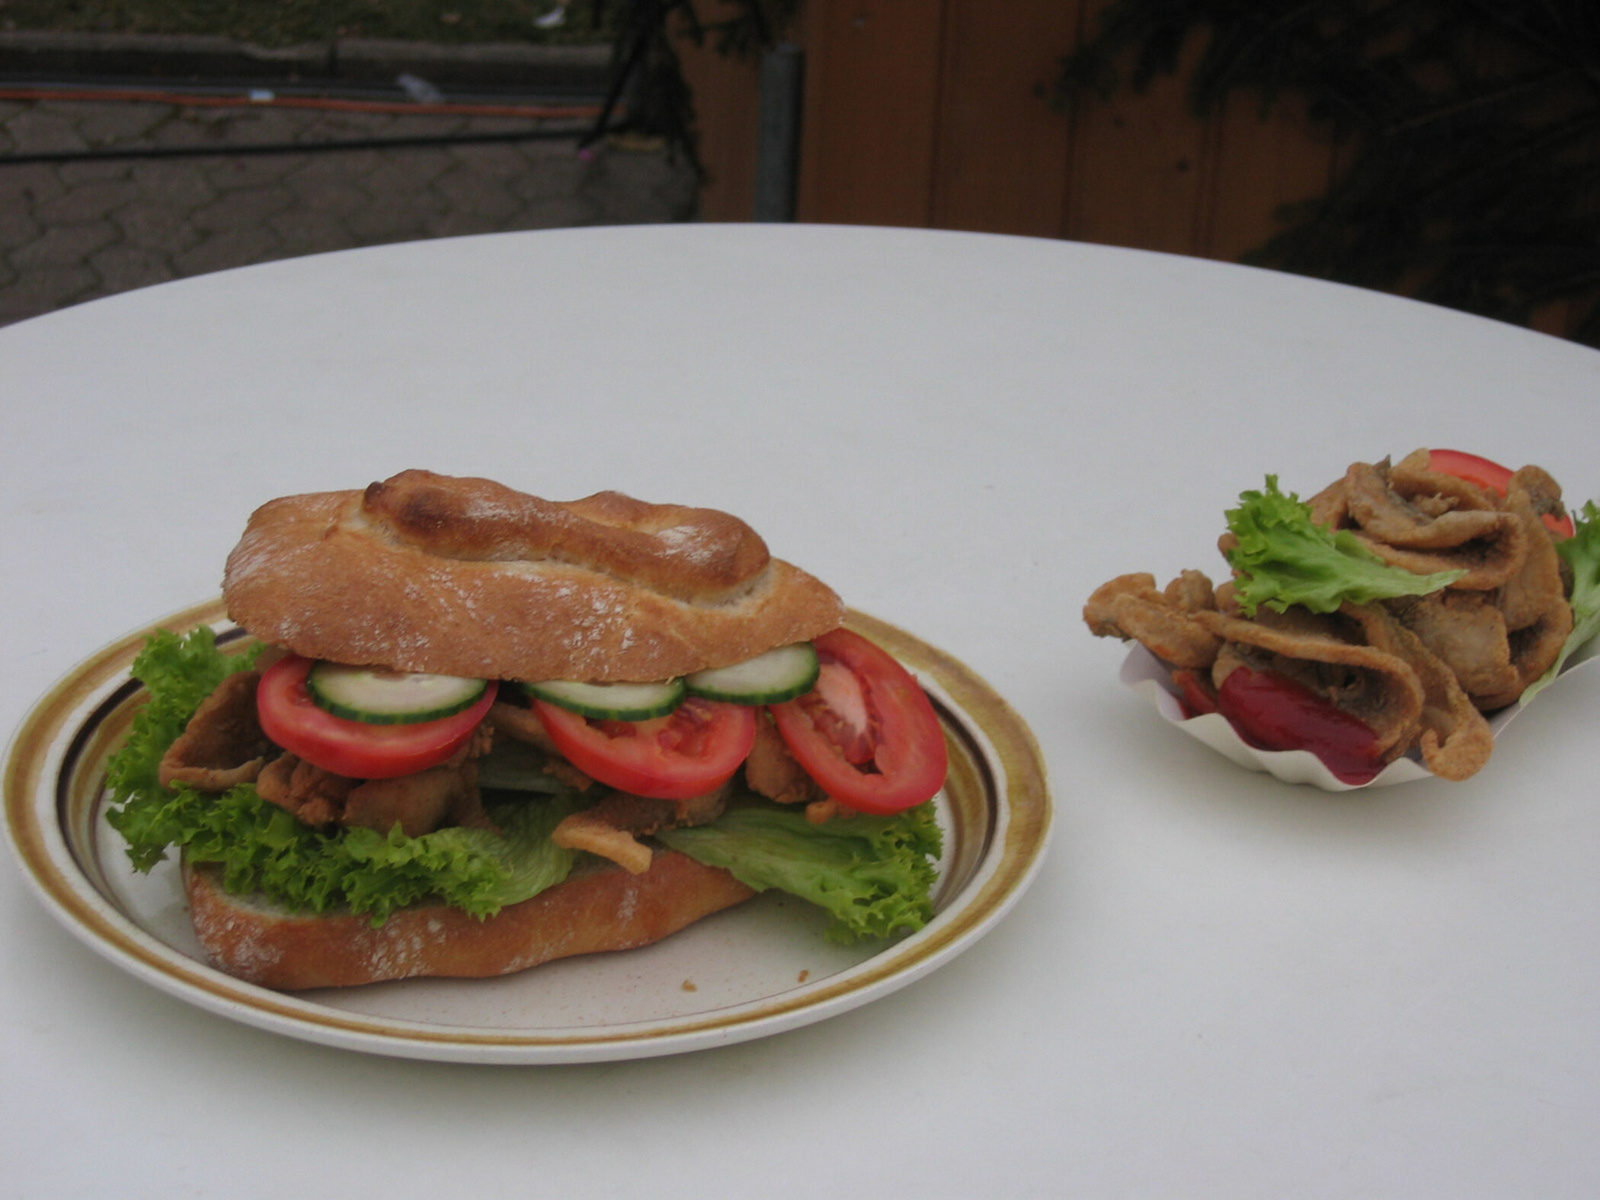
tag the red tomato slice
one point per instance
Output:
(1195, 693)
(867, 733)
(292, 720)
(691, 751)
(1490, 475)
(1276, 713)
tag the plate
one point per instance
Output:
(748, 972)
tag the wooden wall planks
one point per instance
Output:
(1001, 151)
(936, 113)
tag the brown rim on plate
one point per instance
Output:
(996, 810)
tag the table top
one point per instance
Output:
(1217, 985)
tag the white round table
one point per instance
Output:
(1218, 985)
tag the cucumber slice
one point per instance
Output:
(770, 678)
(375, 696)
(611, 701)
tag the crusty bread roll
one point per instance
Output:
(598, 908)
(460, 576)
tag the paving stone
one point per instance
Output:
(27, 184)
(252, 126)
(71, 231)
(122, 268)
(421, 125)
(114, 122)
(560, 212)
(303, 231)
(470, 193)
(178, 184)
(42, 289)
(490, 160)
(182, 128)
(340, 165)
(229, 248)
(17, 226)
(63, 246)
(327, 193)
(550, 174)
(639, 192)
(87, 202)
(159, 228)
(92, 171)
(393, 218)
(404, 172)
(230, 174)
(352, 130)
(243, 208)
(39, 131)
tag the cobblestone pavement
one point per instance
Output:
(72, 231)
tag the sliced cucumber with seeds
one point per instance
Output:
(375, 696)
(611, 701)
(770, 678)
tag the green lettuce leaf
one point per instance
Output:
(1582, 552)
(874, 874)
(261, 848)
(178, 673)
(1283, 557)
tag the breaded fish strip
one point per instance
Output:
(1428, 530)
(222, 745)
(1367, 682)
(1130, 606)
(1455, 740)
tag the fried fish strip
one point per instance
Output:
(1130, 607)
(1455, 739)
(1369, 683)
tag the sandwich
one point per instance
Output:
(460, 731)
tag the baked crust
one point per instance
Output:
(604, 908)
(462, 576)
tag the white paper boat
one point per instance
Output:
(1144, 673)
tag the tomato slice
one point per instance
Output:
(867, 733)
(1491, 475)
(1277, 713)
(1195, 693)
(691, 751)
(351, 748)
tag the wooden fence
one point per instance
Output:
(937, 114)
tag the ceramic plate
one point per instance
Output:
(754, 970)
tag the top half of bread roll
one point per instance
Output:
(461, 576)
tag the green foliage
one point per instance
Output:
(1471, 131)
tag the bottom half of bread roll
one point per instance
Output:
(598, 908)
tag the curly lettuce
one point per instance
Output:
(1283, 557)
(262, 848)
(875, 875)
